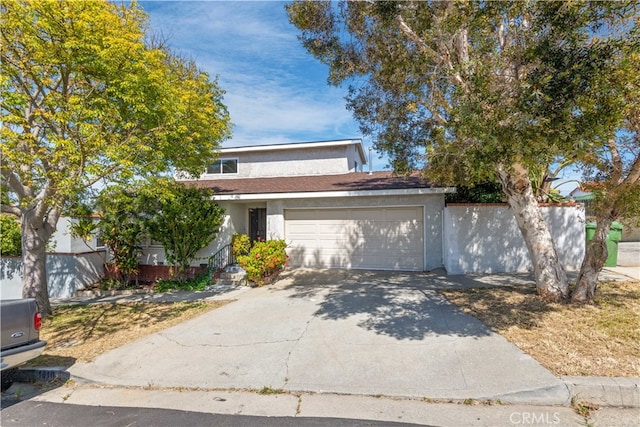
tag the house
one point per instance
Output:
(321, 199)
(72, 263)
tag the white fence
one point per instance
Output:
(66, 273)
(486, 238)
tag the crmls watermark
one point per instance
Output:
(534, 418)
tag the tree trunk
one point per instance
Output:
(594, 259)
(35, 235)
(550, 275)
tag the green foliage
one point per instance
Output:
(121, 227)
(184, 221)
(10, 236)
(490, 192)
(196, 284)
(264, 259)
(240, 244)
(84, 98)
(464, 88)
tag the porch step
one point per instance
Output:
(233, 276)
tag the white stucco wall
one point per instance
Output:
(62, 241)
(66, 273)
(486, 239)
(291, 162)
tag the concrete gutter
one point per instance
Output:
(605, 391)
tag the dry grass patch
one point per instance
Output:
(82, 332)
(601, 339)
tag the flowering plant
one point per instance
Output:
(265, 259)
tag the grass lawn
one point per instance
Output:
(82, 332)
(602, 339)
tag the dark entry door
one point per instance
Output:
(257, 224)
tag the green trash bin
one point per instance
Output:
(591, 230)
(614, 236)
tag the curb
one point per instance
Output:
(101, 293)
(605, 391)
(43, 374)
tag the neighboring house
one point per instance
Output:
(72, 263)
(631, 230)
(319, 197)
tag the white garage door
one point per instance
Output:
(365, 238)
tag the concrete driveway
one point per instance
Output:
(352, 332)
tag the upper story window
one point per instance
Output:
(223, 166)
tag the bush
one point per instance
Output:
(198, 283)
(240, 244)
(264, 261)
(10, 236)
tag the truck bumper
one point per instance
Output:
(20, 355)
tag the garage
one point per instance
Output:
(385, 238)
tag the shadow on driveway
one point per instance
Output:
(402, 305)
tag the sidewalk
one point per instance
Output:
(239, 402)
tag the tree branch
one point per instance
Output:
(616, 160)
(12, 180)
(444, 57)
(11, 210)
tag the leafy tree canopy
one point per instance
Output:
(468, 86)
(86, 97)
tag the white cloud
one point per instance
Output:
(276, 92)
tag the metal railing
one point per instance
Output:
(221, 259)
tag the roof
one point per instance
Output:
(314, 183)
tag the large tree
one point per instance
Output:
(612, 168)
(86, 98)
(476, 90)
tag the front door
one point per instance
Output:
(257, 224)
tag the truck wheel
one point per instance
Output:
(7, 378)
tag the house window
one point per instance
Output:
(223, 166)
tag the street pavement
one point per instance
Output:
(345, 344)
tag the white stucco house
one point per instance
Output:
(321, 198)
(333, 213)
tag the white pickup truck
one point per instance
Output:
(21, 342)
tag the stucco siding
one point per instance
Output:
(486, 239)
(62, 241)
(291, 162)
(66, 273)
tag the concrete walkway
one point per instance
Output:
(336, 331)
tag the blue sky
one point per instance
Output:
(275, 91)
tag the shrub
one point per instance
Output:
(240, 244)
(198, 283)
(265, 259)
(10, 236)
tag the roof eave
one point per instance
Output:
(339, 193)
